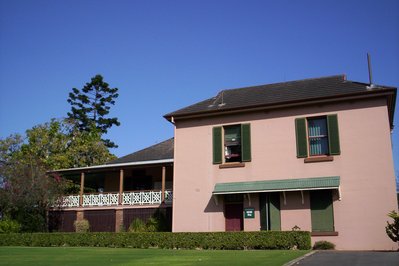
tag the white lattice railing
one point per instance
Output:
(69, 201)
(145, 197)
(112, 199)
(102, 199)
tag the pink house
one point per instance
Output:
(310, 155)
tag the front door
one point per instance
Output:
(233, 213)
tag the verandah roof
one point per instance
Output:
(329, 182)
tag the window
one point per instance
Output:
(316, 136)
(232, 144)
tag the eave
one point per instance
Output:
(388, 93)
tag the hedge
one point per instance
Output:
(166, 240)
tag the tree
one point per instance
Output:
(91, 105)
(26, 191)
(26, 188)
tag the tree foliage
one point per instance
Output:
(26, 188)
(91, 105)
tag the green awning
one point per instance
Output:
(328, 182)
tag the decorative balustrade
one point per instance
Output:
(69, 201)
(145, 197)
(102, 199)
(112, 199)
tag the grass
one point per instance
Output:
(123, 256)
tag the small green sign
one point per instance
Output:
(249, 213)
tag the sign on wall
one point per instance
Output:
(249, 213)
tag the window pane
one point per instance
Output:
(318, 146)
(317, 127)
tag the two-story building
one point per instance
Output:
(311, 154)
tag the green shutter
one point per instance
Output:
(246, 142)
(321, 206)
(333, 135)
(301, 138)
(217, 145)
(263, 211)
(274, 209)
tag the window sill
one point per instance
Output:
(319, 159)
(231, 165)
(324, 234)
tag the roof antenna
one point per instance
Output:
(222, 102)
(221, 97)
(371, 86)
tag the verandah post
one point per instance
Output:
(121, 173)
(163, 184)
(82, 183)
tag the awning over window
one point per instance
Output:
(328, 182)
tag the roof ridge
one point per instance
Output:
(343, 76)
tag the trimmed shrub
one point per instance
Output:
(152, 225)
(137, 225)
(323, 245)
(9, 226)
(81, 226)
(168, 240)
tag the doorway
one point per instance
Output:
(233, 212)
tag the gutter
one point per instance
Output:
(105, 166)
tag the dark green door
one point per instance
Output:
(270, 211)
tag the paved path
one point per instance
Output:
(351, 258)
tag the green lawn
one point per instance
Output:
(123, 256)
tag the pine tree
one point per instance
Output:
(91, 105)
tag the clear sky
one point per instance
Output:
(164, 55)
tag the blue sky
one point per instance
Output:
(164, 55)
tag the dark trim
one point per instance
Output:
(319, 159)
(231, 165)
(324, 233)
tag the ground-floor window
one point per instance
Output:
(270, 211)
(322, 213)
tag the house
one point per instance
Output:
(311, 154)
(110, 196)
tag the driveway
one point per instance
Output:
(351, 258)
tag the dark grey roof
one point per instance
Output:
(160, 151)
(276, 94)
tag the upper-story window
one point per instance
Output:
(317, 136)
(232, 143)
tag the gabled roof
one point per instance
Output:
(160, 151)
(299, 92)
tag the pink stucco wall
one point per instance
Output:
(365, 167)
